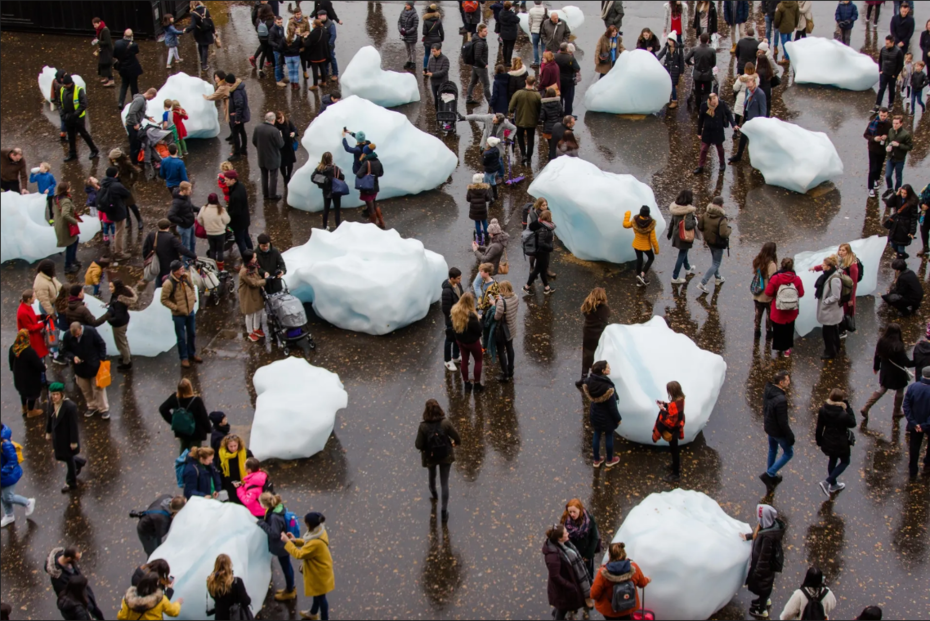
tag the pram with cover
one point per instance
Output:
(447, 108)
(149, 136)
(287, 321)
(211, 281)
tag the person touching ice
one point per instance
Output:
(766, 559)
(200, 476)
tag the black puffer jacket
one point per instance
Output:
(775, 414)
(551, 113)
(181, 213)
(833, 421)
(674, 62)
(605, 416)
(450, 295)
(472, 331)
(510, 24)
(478, 197)
(544, 236)
(766, 548)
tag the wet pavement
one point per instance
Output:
(526, 445)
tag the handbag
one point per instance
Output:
(850, 437)
(504, 267)
(775, 81)
(103, 378)
(366, 183)
(151, 266)
(199, 231)
(319, 178)
(910, 374)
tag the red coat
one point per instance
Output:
(179, 118)
(221, 182)
(782, 278)
(26, 320)
(548, 76)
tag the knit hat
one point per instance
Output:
(494, 228)
(926, 373)
(360, 136)
(56, 387)
(433, 7)
(673, 37)
(313, 520)
(231, 174)
(217, 417)
(213, 199)
(493, 141)
(477, 178)
(763, 47)
(67, 80)
(116, 153)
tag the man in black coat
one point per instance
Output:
(87, 349)
(906, 293)
(902, 28)
(704, 59)
(167, 247)
(746, 50)
(239, 115)
(181, 214)
(479, 71)
(73, 101)
(437, 69)
(111, 200)
(451, 292)
(270, 264)
(568, 67)
(124, 53)
(238, 208)
(62, 429)
(890, 64)
(777, 427)
(268, 141)
(155, 522)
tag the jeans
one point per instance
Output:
(188, 239)
(336, 201)
(173, 55)
(916, 439)
(785, 37)
(787, 453)
(716, 258)
(917, 97)
(899, 248)
(650, 257)
(293, 68)
(288, 570)
(537, 47)
(243, 240)
(567, 95)
(681, 261)
(479, 74)
(9, 498)
(876, 161)
(835, 468)
(321, 606)
(185, 331)
(471, 349)
(443, 482)
(127, 84)
(108, 229)
(479, 236)
(71, 254)
(203, 50)
(898, 169)
(240, 141)
(674, 90)
(768, 33)
(278, 67)
(886, 82)
(608, 444)
(269, 182)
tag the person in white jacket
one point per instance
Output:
(805, 14)
(676, 21)
(537, 15)
(813, 589)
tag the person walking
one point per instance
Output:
(612, 13)
(541, 243)
(876, 133)
(268, 141)
(569, 584)
(437, 69)
(10, 474)
(451, 293)
(214, 220)
(66, 226)
(747, 50)
(537, 15)
(103, 41)
(509, 28)
(468, 329)
(673, 60)
(155, 522)
(204, 32)
(112, 198)
(834, 421)
(479, 70)
(172, 35)
(226, 589)
(62, 429)
(714, 118)
(906, 292)
(125, 52)
(681, 232)
(777, 427)
(764, 267)
(200, 477)
(274, 524)
(582, 533)
(705, 18)
(88, 351)
(786, 289)
(73, 110)
(596, 314)
(178, 296)
(117, 316)
(917, 413)
(569, 70)
(28, 373)
(898, 143)
(617, 572)
(251, 304)
(526, 106)
(433, 33)
(890, 64)
(499, 87)
(239, 115)
(288, 150)
(765, 559)
(829, 294)
(128, 175)
(670, 426)
(755, 105)
(604, 414)
(239, 214)
(715, 225)
(890, 363)
(813, 597)
(645, 243)
(313, 551)
(186, 413)
(167, 247)
(704, 59)
(408, 24)
(436, 440)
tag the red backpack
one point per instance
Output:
(469, 7)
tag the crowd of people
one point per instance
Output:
(480, 319)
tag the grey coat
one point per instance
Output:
(268, 141)
(553, 35)
(829, 309)
(408, 25)
(490, 129)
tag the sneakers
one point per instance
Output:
(548, 291)
(641, 279)
(260, 333)
(30, 507)
(759, 613)
(105, 415)
(825, 488)
(679, 281)
(871, 192)
(7, 520)
(702, 287)
(254, 337)
(719, 281)
(597, 463)
(691, 270)
(450, 366)
(90, 413)
(613, 462)
(839, 487)
(457, 360)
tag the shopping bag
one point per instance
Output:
(103, 374)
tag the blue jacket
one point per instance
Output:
(742, 12)
(45, 181)
(197, 479)
(755, 106)
(916, 406)
(173, 171)
(171, 35)
(330, 26)
(846, 13)
(356, 152)
(239, 105)
(11, 472)
(500, 101)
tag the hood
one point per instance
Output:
(479, 186)
(681, 210)
(551, 100)
(108, 181)
(833, 412)
(715, 210)
(598, 388)
(643, 226)
(73, 305)
(142, 604)
(766, 515)
(518, 72)
(6, 433)
(502, 238)
(256, 479)
(52, 568)
(237, 84)
(431, 15)
(772, 391)
(128, 300)
(922, 347)
(619, 571)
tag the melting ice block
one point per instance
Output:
(641, 366)
(572, 15)
(790, 156)
(365, 77)
(24, 232)
(200, 532)
(203, 119)
(413, 160)
(690, 549)
(816, 60)
(637, 84)
(296, 409)
(48, 76)
(588, 205)
(363, 279)
(869, 251)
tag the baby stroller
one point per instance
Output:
(211, 281)
(149, 137)
(287, 321)
(447, 109)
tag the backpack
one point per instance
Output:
(469, 7)
(182, 421)
(814, 608)
(623, 598)
(293, 524)
(846, 293)
(206, 23)
(179, 465)
(786, 298)
(757, 286)
(103, 200)
(861, 270)
(468, 53)
(262, 30)
(526, 215)
(438, 445)
(530, 243)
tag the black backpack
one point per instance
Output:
(438, 445)
(205, 24)
(103, 200)
(814, 611)
(861, 270)
(468, 53)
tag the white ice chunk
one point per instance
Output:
(637, 84)
(413, 160)
(816, 60)
(48, 76)
(203, 119)
(150, 332)
(365, 78)
(295, 411)
(588, 205)
(200, 532)
(869, 251)
(24, 232)
(690, 548)
(363, 279)
(640, 367)
(572, 15)
(790, 156)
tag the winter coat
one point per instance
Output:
(213, 222)
(46, 290)
(117, 196)
(221, 93)
(288, 155)
(10, 470)
(239, 111)
(117, 314)
(376, 168)
(905, 143)
(678, 213)
(921, 357)
(268, 141)
(203, 34)
(602, 589)
(64, 212)
(493, 252)
(715, 226)
(644, 232)
(421, 444)
(833, 421)
(564, 590)
(919, 81)
(890, 61)
(238, 208)
(501, 130)
(167, 248)
(250, 292)
(313, 551)
(904, 220)
(155, 606)
(517, 83)
(568, 67)
(908, 286)
(200, 480)
(274, 523)
(128, 176)
(586, 544)
(27, 371)
(746, 52)
(236, 595)
(891, 369)
(550, 113)
(77, 610)
(124, 53)
(196, 407)
(604, 413)
(650, 45)
(491, 160)
(432, 29)
(783, 317)
(740, 89)
(105, 47)
(510, 24)
(902, 29)
(179, 296)
(712, 128)
(787, 17)
(276, 36)
(271, 262)
(181, 213)
(613, 15)
(526, 105)
(172, 170)
(775, 414)
(594, 324)
(605, 54)
(829, 310)
(846, 14)
(711, 19)
(77, 312)
(554, 35)
(90, 348)
(673, 61)
(450, 295)
(472, 331)
(794, 608)
(543, 232)
(741, 16)
(755, 105)
(508, 308)
(917, 405)
(805, 13)
(330, 171)
(64, 431)
(479, 197)
(408, 25)
(157, 519)
(765, 548)
(499, 98)
(438, 66)
(704, 59)
(26, 319)
(770, 270)
(250, 491)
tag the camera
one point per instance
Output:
(137, 514)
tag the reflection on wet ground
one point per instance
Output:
(525, 445)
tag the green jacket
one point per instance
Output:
(787, 17)
(527, 104)
(905, 143)
(64, 215)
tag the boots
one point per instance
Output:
(494, 191)
(221, 266)
(898, 402)
(868, 404)
(580, 382)
(24, 409)
(379, 217)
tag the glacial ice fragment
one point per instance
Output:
(365, 78)
(637, 84)
(790, 156)
(203, 119)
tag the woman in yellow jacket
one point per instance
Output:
(147, 601)
(313, 550)
(644, 241)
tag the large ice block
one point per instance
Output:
(203, 119)
(413, 160)
(790, 156)
(48, 76)
(365, 78)
(690, 548)
(588, 206)
(295, 410)
(641, 366)
(200, 532)
(24, 232)
(572, 15)
(637, 84)
(363, 279)
(869, 251)
(816, 60)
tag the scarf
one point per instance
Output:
(578, 531)
(821, 282)
(711, 109)
(226, 456)
(571, 556)
(99, 28)
(314, 534)
(21, 343)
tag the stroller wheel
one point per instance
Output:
(287, 351)
(307, 346)
(231, 286)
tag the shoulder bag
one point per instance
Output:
(366, 183)
(504, 267)
(908, 372)
(340, 187)
(151, 266)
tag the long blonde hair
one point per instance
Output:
(850, 256)
(462, 311)
(597, 297)
(220, 581)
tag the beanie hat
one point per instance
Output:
(67, 80)
(493, 141)
(494, 228)
(477, 178)
(112, 171)
(763, 47)
(56, 387)
(360, 136)
(673, 37)
(213, 199)
(116, 153)
(313, 520)
(231, 174)
(217, 417)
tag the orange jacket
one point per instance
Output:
(644, 236)
(602, 590)
(672, 418)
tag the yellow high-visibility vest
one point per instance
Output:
(77, 94)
